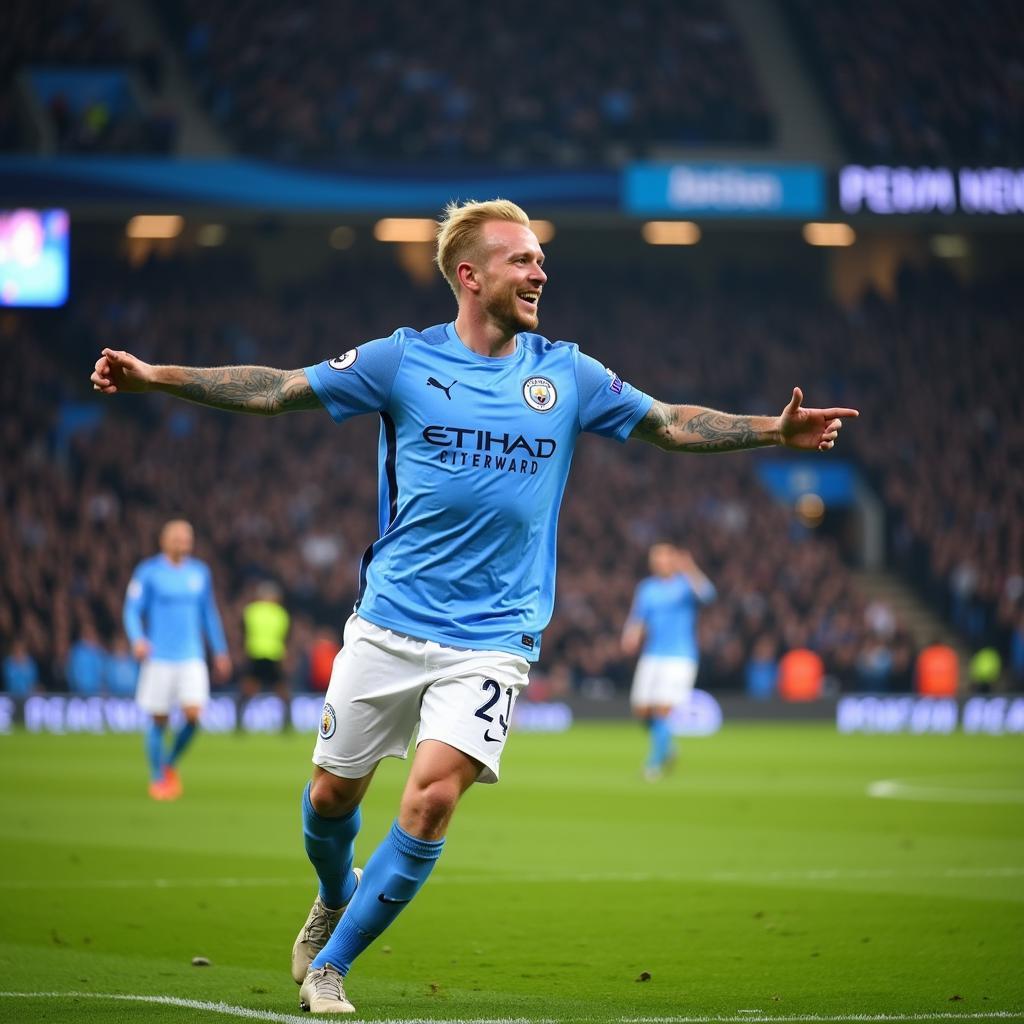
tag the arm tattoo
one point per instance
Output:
(683, 428)
(721, 432)
(255, 389)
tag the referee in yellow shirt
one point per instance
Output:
(266, 624)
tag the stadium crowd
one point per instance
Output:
(920, 82)
(293, 499)
(329, 79)
(74, 56)
(915, 82)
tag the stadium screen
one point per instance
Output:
(33, 257)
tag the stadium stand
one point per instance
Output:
(73, 59)
(920, 81)
(400, 80)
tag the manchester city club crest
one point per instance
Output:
(345, 361)
(540, 394)
(328, 722)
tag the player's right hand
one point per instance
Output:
(120, 371)
(141, 649)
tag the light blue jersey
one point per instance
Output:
(667, 607)
(173, 607)
(473, 458)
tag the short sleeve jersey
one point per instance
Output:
(473, 457)
(173, 607)
(667, 607)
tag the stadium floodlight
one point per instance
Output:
(405, 229)
(810, 509)
(820, 233)
(211, 235)
(149, 225)
(670, 232)
(949, 247)
(543, 229)
(341, 237)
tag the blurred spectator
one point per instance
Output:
(322, 652)
(122, 670)
(1017, 652)
(875, 667)
(801, 675)
(21, 674)
(937, 673)
(86, 663)
(762, 669)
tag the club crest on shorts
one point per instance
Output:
(540, 394)
(328, 722)
(345, 361)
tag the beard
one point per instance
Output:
(505, 311)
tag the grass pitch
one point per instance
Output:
(760, 881)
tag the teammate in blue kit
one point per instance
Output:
(168, 610)
(663, 623)
(478, 420)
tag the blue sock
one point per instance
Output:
(393, 875)
(330, 846)
(181, 740)
(661, 743)
(155, 751)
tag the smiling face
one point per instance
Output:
(510, 275)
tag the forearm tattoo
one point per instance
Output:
(255, 389)
(689, 429)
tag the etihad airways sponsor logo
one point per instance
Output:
(487, 449)
(474, 439)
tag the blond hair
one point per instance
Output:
(459, 234)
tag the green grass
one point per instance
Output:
(761, 876)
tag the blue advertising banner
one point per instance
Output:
(833, 481)
(254, 184)
(725, 190)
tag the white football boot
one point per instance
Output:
(323, 991)
(319, 927)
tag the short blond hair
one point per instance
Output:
(458, 234)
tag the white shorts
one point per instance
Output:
(167, 684)
(385, 684)
(662, 682)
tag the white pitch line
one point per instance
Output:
(186, 1004)
(248, 1013)
(897, 789)
(151, 883)
(814, 1018)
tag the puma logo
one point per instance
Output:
(435, 383)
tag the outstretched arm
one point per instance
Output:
(255, 389)
(692, 428)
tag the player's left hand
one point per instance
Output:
(811, 429)
(222, 667)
